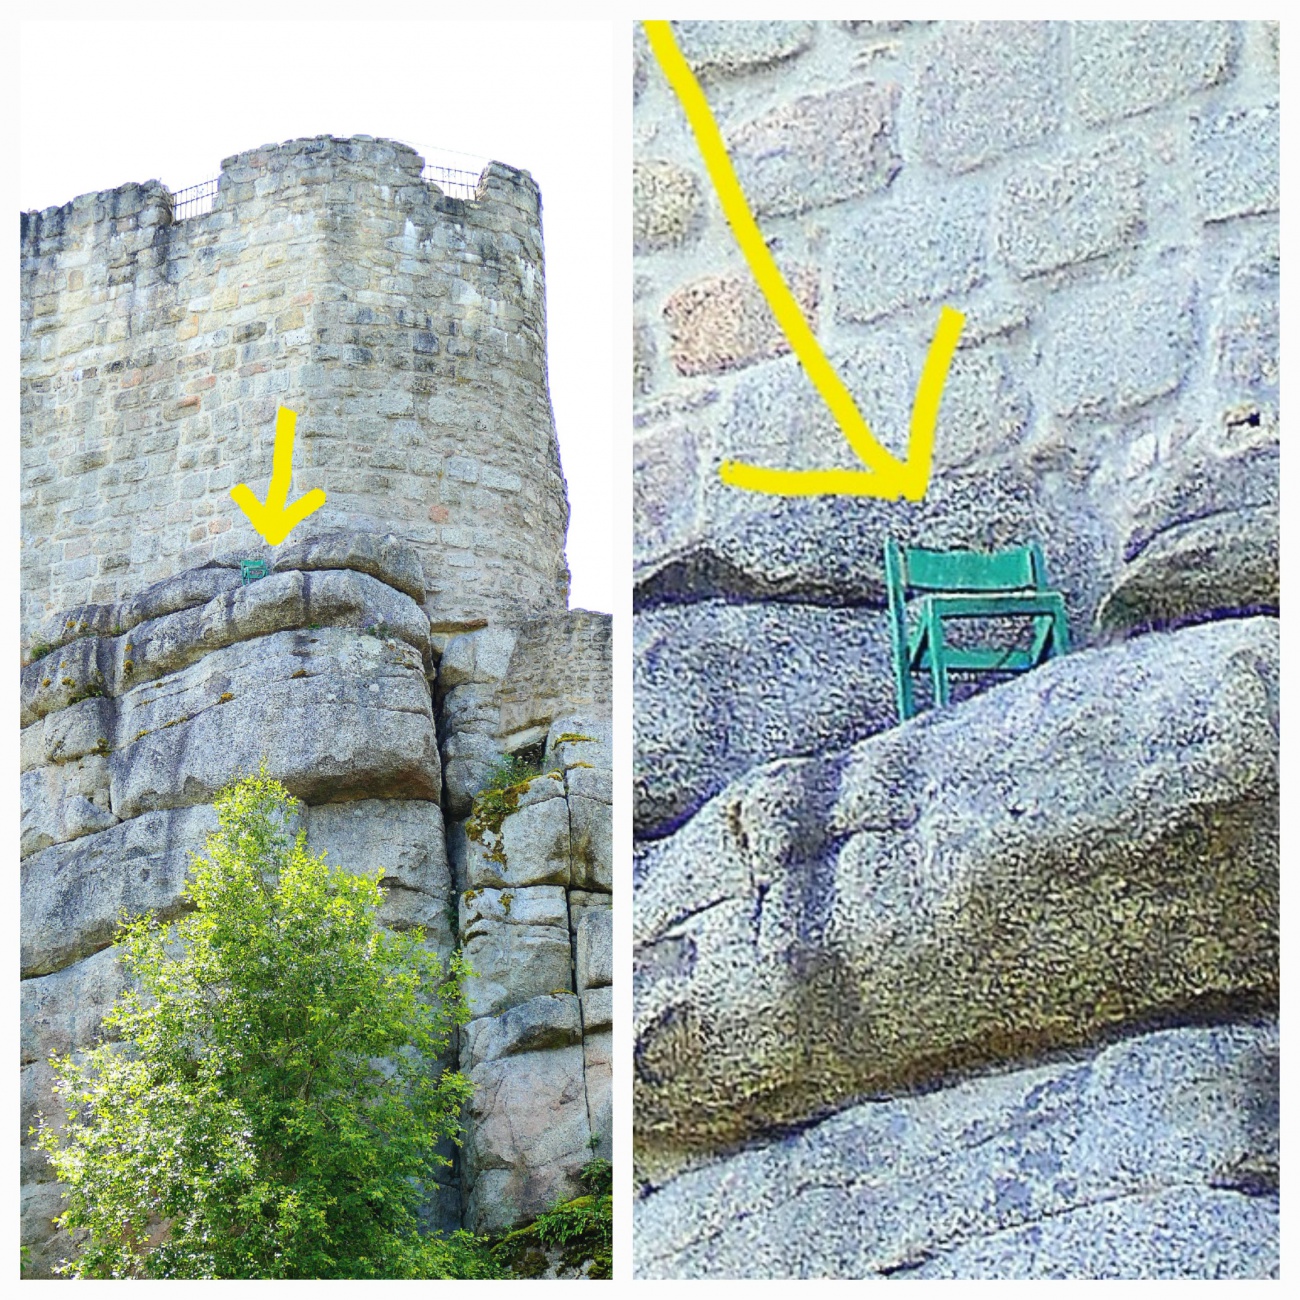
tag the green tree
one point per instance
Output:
(274, 1105)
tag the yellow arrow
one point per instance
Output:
(274, 521)
(885, 476)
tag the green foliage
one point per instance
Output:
(273, 1107)
(499, 795)
(582, 1229)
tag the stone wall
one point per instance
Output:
(833, 912)
(406, 329)
(407, 637)
(1101, 203)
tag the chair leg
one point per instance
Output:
(938, 660)
(1060, 632)
(902, 673)
(906, 699)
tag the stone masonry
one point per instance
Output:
(407, 637)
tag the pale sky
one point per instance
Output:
(137, 101)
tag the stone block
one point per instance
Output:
(385, 557)
(961, 892)
(1123, 68)
(84, 728)
(597, 1008)
(1224, 564)
(538, 1025)
(598, 1063)
(405, 838)
(1235, 160)
(595, 948)
(723, 322)
(61, 1013)
(1070, 210)
(352, 716)
(665, 494)
(64, 802)
(527, 1138)
(1248, 348)
(531, 847)
(72, 894)
(1116, 348)
(720, 687)
(818, 150)
(667, 205)
(591, 832)
(986, 89)
(1118, 1164)
(730, 47)
(517, 941)
(909, 253)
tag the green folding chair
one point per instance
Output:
(966, 584)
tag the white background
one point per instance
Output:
(104, 103)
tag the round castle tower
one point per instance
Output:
(406, 328)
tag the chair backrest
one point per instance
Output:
(914, 568)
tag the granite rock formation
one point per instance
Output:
(412, 345)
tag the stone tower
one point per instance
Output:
(409, 634)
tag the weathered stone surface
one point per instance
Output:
(597, 1008)
(336, 715)
(388, 558)
(1119, 347)
(594, 948)
(736, 46)
(666, 473)
(723, 322)
(963, 890)
(1119, 1165)
(1213, 567)
(591, 838)
(532, 846)
(64, 803)
(40, 1203)
(667, 205)
(405, 838)
(1070, 210)
(1235, 161)
(1205, 482)
(910, 252)
(114, 665)
(84, 728)
(598, 1063)
(180, 591)
(517, 941)
(72, 894)
(62, 1012)
(505, 686)
(581, 745)
(1248, 348)
(720, 687)
(817, 150)
(527, 1136)
(986, 89)
(541, 1023)
(1120, 69)
(644, 354)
